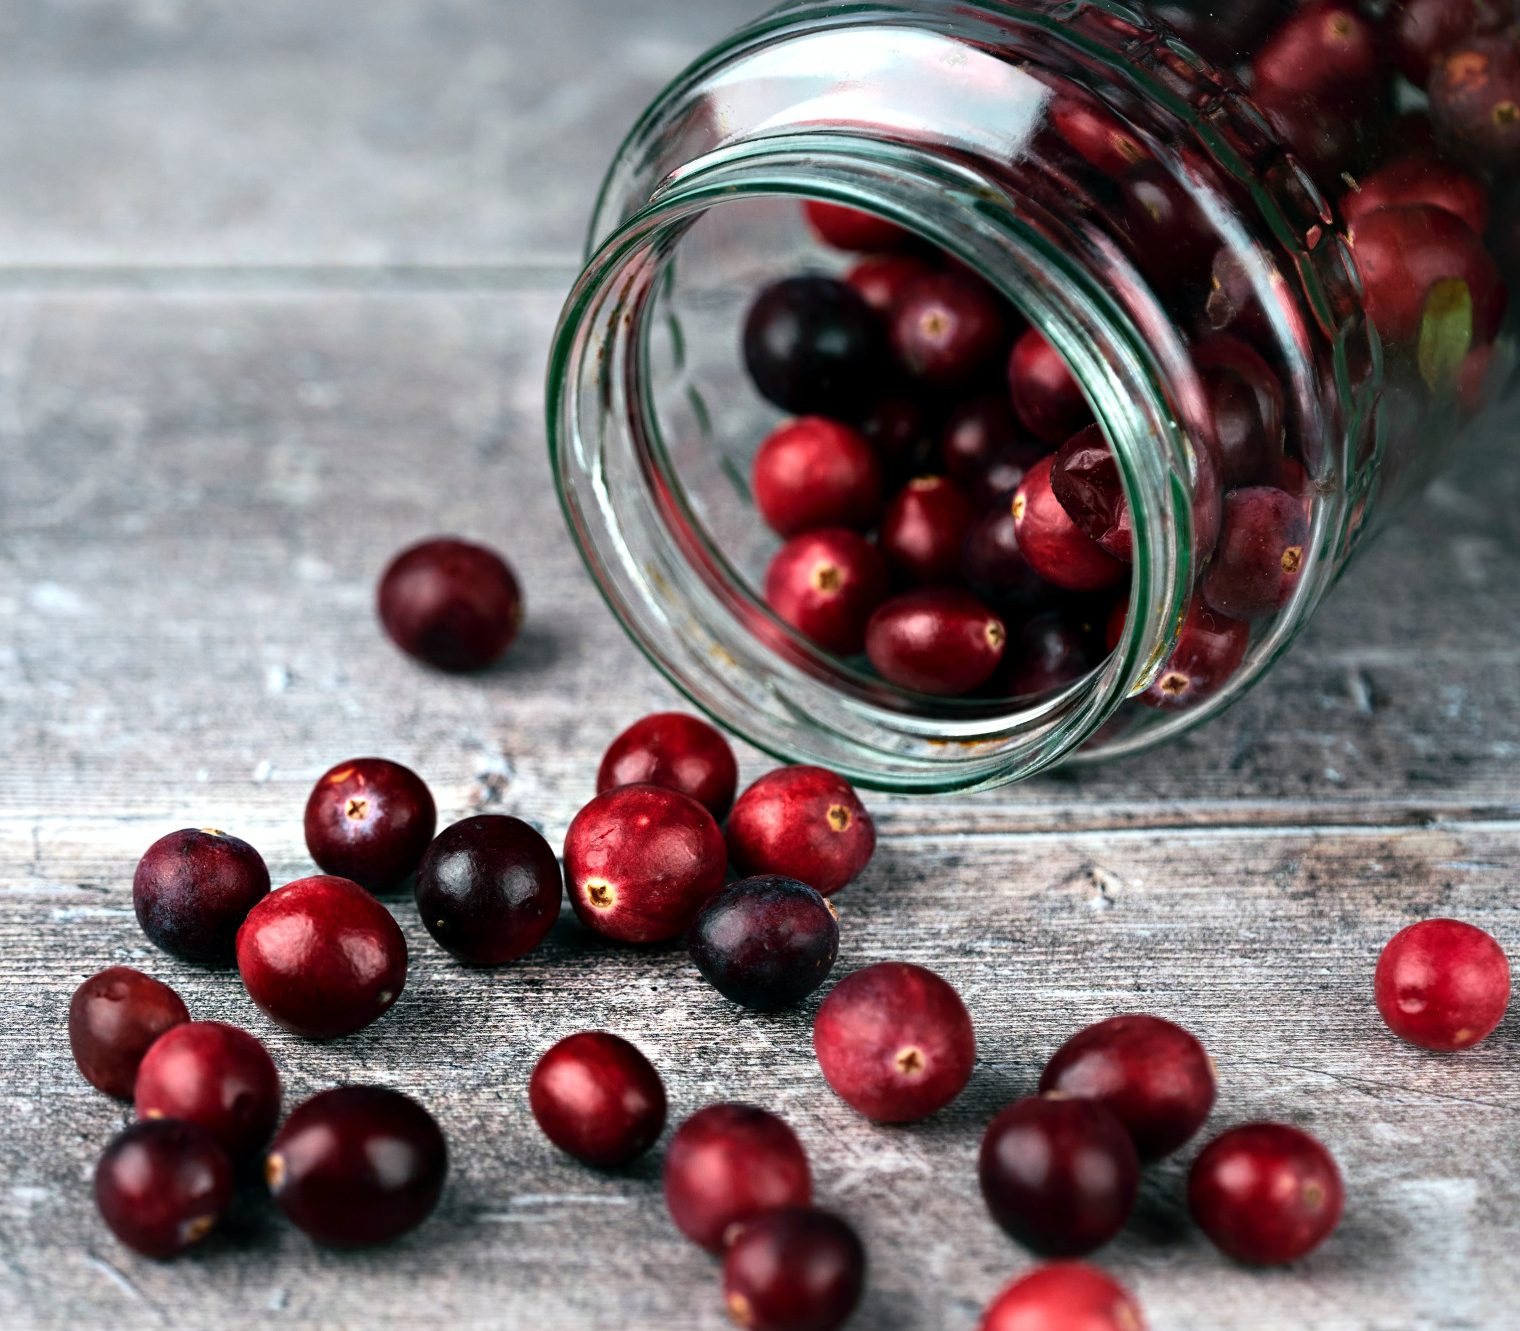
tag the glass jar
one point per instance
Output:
(1271, 263)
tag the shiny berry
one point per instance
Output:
(804, 823)
(1442, 984)
(1052, 651)
(816, 473)
(977, 434)
(794, 1269)
(1171, 240)
(994, 566)
(947, 329)
(1099, 136)
(1064, 1296)
(1056, 548)
(1416, 33)
(451, 604)
(114, 1018)
(1260, 555)
(851, 229)
(1046, 396)
(1247, 408)
(1210, 649)
(812, 345)
(924, 530)
(937, 640)
(1085, 478)
(370, 819)
(882, 279)
(677, 751)
(194, 888)
(1325, 51)
(596, 1097)
(827, 585)
(765, 942)
(1420, 179)
(162, 1186)
(216, 1076)
(1475, 102)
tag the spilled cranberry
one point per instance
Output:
(1064, 1296)
(163, 1186)
(851, 229)
(816, 473)
(882, 279)
(1210, 649)
(1045, 394)
(827, 584)
(596, 1097)
(1475, 102)
(804, 823)
(765, 942)
(1442, 984)
(451, 604)
(1056, 548)
(1085, 478)
(1420, 179)
(948, 328)
(812, 345)
(924, 529)
(937, 640)
(114, 1018)
(193, 889)
(216, 1076)
(677, 751)
(370, 819)
(794, 1269)
(1260, 555)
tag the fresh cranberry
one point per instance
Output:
(357, 1166)
(812, 345)
(1052, 651)
(936, 640)
(816, 473)
(322, 957)
(924, 529)
(1247, 407)
(1416, 33)
(882, 279)
(901, 431)
(827, 585)
(194, 888)
(598, 1098)
(1099, 136)
(1061, 1176)
(1420, 179)
(1260, 554)
(993, 564)
(804, 823)
(765, 942)
(1085, 478)
(1209, 651)
(489, 889)
(1005, 473)
(451, 604)
(794, 1269)
(1265, 1193)
(114, 1018)
(1056, 548)
(948, 328)
(1325, 52)
(1064, 1296)
(1170, 239)
(677, 751)
(1442, 984)
(1154, 1075)
(728, 1163)
(216, 1076)
(1045, 394)
(163, 1186)
(370, 819)
(851, 229)
(641, 862)
(895, 1042)
(1475, 101)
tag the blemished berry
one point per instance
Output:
(848, 228)
(677, 751)
(1056, 548)
(1475, 101)
(1442, 984)
(452, 604)
(597, 1098)
(193, 889)
(882, 279)
(765, 942)
(163, 1186)
(1085, 478)
(1261, 553)
(948, 328)
(794, 1269)
(114, 1018)
(924, 530)
(813, 346)
(215, 1076)
(804, 823)
(827, 584)
(1064, 1296)
(370, 819)
(814, 473)
(1045, 393)
(1420, 179)
(1210, 649)
(936, 640)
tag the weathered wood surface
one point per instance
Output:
(203, 471)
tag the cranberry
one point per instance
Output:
(924, 529)
(1475, 101)
(1005, 473)
(322, 957)
(1416, 33)
(1052, 651)
(216, 1076)
(1233, 302)
(1061, 1176)
(451, 604)
(901, 432)
(1085, 478)
(804, 823)
(728, 1163)
(794, 1269)
(827, 585)
(1099, 136)
(977, 434)
(881, 280)
(948, 328)
(813, 345)
(641, 862)
(816, 473)
(1260, 555)
(1325, 52)
(163, 1186)
(489, 890)
(1420, 179)
(937, 640)
(993, 564)
(766, 942)
(1056, 548)
(370, 819)
(1170, 238)
(1442, 984)
(1223, 35)
(357, 1165)
(1046, 395)
(1247, 407)
(1064, 1296)
(1209, 651)
(193, 889)
(114, 1017)
(677, 751)
(1328, 145)
(895, 1042)
(598, 1098)
(851, 229)
(1265, 1193)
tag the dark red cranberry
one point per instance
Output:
(924, 529)
(993, 564)
(1442, 984)
(1154, 1075)
(1052, 651)
(1416, 33)
(1098, 136)
(641, 862)
(114, 1018)
(851, 229)
(677, 751)
(1260, 554)
(1061, 1176)
(937, 640)
(1265, 1193)
(1328, 145)
(827, 585)
(812, 345)
(1085, 478)
(1325, 51)
(216, 1076)
(1005, 473)
(194, 888)
(765, 942)
(1247, 407)
(895, 1042)
(357, 1166)
(948, 328)
(1420, 179)
(794, 1269)
(1056, 548)
(1225, 36)
(727, 1164)
(451, 604)
(370, 819)
(882, 279)
(1475, 102)
(816, 473)
(901, 432)
(977, 434)
(322, 957)
(804, 823)
(1170, 238)
(489, 889)
(163, 1186)
(1045, 394)
(1209, 651)
(1233, 303)
(1064, 1296)
(598, 1098)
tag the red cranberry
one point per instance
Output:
(114, 1017)
(804, 823)
(816, 473)
(1260, 554)
(489, 890)
(641, 862)
(895, 1042)
(1326, 52)
(1056, 548)
(728, 1163)
(1209, 651)
(1064, 1296)
(1085, 479)
(322, 957)
(936, 640)
(370, 819)
(1265, 1193)
(827, 585)
(1099, 136)
(1442, 984)
(851, 229)
(948, 328)
(1061, 1176)
(812, 345)
(976, 435)
(1475, 101)
(794, 1269)
(1170, 238)
(901, 432)
(216, 1076)
(1247, 406)
(598, 1098)
(451, 604)
(1046, 395)
(163, 1186)
(924, 529)
(194, 888)
(1052, 651)
(677, 751)
(765, 942)
(1420, 179)
(357, 1166)
(993, 564)
(1416, 33)
(881, 280)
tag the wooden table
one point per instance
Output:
(276, 282)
